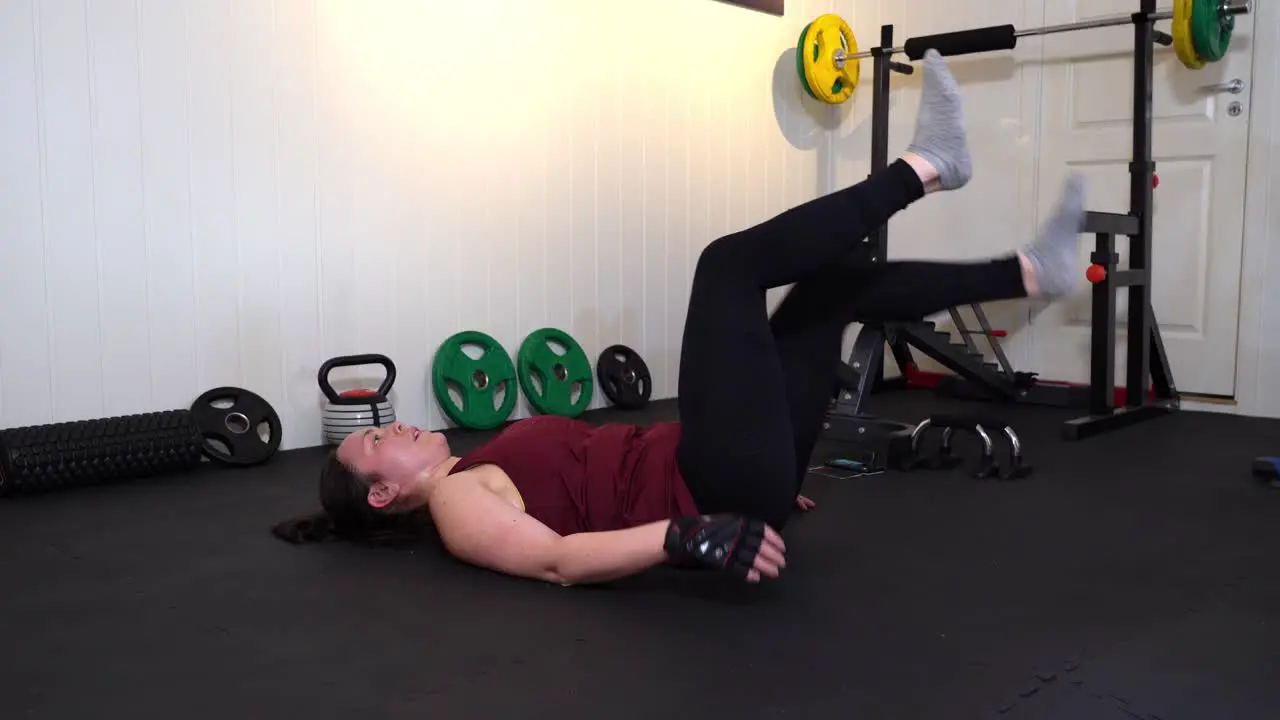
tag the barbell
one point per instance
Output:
(828, 58)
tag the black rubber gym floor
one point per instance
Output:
(1131, 576)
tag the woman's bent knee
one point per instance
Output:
(764, 491)
(772, 507)
(723, 255)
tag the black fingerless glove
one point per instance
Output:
(715, 542)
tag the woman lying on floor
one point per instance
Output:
(566, 502)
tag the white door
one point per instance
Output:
(1199, 148)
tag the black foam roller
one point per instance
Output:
(43, 458)
(964, 42)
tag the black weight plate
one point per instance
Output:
(624, 377)
(233, 416)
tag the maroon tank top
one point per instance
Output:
(578, 477)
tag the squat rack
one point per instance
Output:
(1149, 388)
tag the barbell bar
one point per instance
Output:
(828, 58)
(1226, 9)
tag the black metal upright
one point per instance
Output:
(882, 77)
(1146, 360)
(1141, 170)
(1102, 356)
(882, 65)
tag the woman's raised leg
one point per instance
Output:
(809, 324)
(738, 448)
(808, 237)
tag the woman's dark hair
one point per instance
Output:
(347, 513)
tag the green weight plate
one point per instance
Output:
(477, 380)
(548, 378)
(1211, 31)
(800, 46)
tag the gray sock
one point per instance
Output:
(940, 135)
(1055, 254)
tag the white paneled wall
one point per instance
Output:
(229, 192)
(220, 192)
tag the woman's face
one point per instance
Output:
(398, 457)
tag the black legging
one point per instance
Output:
(753, 389)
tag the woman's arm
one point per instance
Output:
(583, 558)
(481, 528)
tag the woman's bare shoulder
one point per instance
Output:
(487, 476)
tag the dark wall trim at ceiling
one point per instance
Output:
(773, 7)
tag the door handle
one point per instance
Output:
(1234, 86)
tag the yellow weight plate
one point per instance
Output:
(1183, 42)
(820, 43)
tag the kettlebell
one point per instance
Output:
(354, 410)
